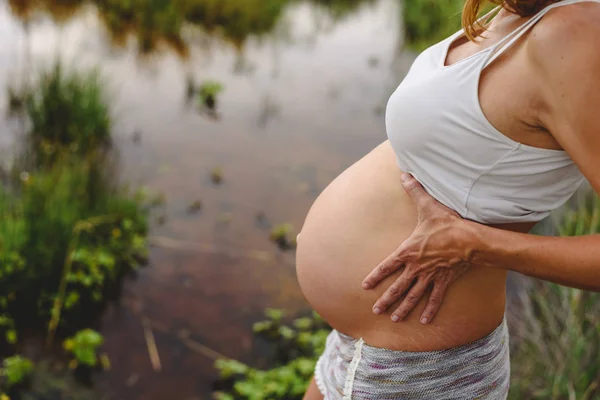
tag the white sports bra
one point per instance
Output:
(440, 135)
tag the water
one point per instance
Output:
(301, 103)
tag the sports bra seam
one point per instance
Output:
(498, 161)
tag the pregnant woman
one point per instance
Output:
(491, 130)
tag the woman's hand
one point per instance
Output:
(437, 253)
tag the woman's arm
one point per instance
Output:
(569, 261)
(562, 55)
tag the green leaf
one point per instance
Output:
(11, 336)
(17, 369)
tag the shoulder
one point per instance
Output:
(567, 39)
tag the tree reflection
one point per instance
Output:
(154, 22)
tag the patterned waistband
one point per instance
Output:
(351, 369)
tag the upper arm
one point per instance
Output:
(564, 50)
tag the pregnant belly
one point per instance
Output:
(359, 219)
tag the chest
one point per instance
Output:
(509, 92)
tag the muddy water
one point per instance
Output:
(300, 105)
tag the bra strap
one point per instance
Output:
(515, 35)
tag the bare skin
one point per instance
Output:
(562, 66)
(364, 214)
(313, 393)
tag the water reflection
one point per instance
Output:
(299, 105)
(153, 22)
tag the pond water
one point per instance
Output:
(301, 103)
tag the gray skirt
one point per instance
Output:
(351, 369)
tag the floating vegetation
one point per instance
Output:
(297, 348)
(158, 199)
(194, 207)
(161, 219)
(282, 235)
(216, 175)
(15, 101)
(262, 220)
(225, 217)
(208, 92)
(84, 348)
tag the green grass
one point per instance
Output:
(558, 356)
(68, 112)
(66, 212)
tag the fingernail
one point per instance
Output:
(404, 177)
(395, 318)
(377, 310)
(424, 320)
(365, 285)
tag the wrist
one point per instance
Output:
(475, 243)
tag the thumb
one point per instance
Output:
(414, 189)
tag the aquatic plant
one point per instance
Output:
(195, 206)
(67, 111)
(16, 370)
(69, 231)
(216, 175)
(65, 216)
(297, 346)
(557, 356)
(208, 92)
(84, 347)
(281, 235)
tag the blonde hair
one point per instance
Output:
(471, 9)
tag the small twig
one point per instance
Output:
(151, 344)
(192, 344)
(202, 349)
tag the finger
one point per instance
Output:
(384, 269)
(394, 292)
(415, 190)
(413, 297)
(434, 302)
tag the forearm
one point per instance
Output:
(570, 261)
